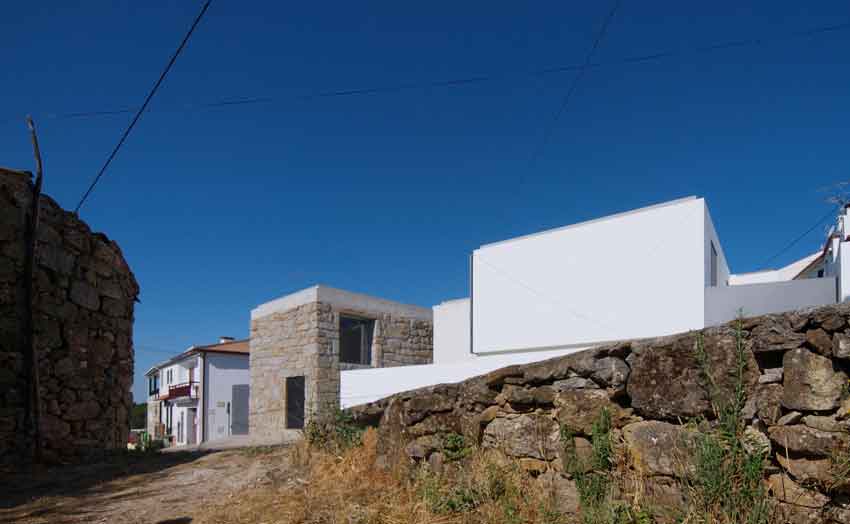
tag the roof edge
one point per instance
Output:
(594, 220)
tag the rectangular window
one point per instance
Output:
(153, 384)
(295, 402)
(713, 266)
(355, 340)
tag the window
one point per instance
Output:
(713, 266)
(355, 340)
(820, 273)
(153, 384)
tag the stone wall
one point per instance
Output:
(305, 341)
(795, 378)
(402, 342)
(285, 344)
(84, 294)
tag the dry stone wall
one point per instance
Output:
(83, 301)
(659, 393)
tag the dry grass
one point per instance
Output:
(351, 487)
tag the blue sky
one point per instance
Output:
(220, 209)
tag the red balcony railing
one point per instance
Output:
(185, 389)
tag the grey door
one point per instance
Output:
(239, 410)
(294, 402)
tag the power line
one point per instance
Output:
(576, 79)
(791, 244)
(466, 81)
(145, 104)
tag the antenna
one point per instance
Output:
(838, 194)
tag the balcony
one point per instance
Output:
(182, 390)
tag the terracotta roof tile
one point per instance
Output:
(235, 346)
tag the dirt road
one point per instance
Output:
(170, 488)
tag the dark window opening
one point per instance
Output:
(713, 266)
(168, 419)
(820, 273)
(295, 402)
(153, 384)
(355, 340)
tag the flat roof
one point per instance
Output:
(787, 272)
(593, 221)
(342, 299)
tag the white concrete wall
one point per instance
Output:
(222, 372)
(844, 271)
(723, 303)
(782, 274)
(176, 410)
(709, 239)
(180, 373)
(367, 385)
(451, 332)
(631, 275)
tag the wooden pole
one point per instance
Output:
(30, 352)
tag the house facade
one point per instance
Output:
(301, 343)
(649, 272)
(201, 394)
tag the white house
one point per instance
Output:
(649, 272)
(201, 394)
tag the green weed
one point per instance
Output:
(455, 447)
(337, 434)
(726, 481)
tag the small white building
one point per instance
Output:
(201, 394)
(649, 272)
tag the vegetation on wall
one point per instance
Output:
(726, 485)
(684, 429)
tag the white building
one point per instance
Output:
(201, 394)
(650, 272)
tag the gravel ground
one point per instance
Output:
(167, 488)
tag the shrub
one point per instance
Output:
(335, 434)
(454, 447)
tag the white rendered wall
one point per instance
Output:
(223, 371)
(179, 372)
(712, 238)
(632, 275)
(843, 271)
(774, 275)
(451, 332)
(723, 303)
(367, 385)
